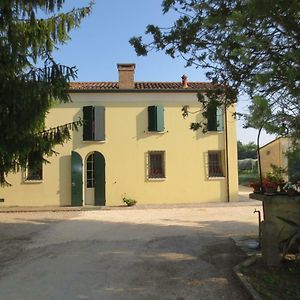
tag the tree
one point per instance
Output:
(249, 46)
(262, 117)
(30, 79)
(246, 150)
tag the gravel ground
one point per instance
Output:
(183, 252)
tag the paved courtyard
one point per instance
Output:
(154, 252)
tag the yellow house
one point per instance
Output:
(134, 143)
(275, 153)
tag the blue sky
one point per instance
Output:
(102, 41)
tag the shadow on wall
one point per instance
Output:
(141, 124)
(65, 180)
(77, 135)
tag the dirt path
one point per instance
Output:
(139, 253)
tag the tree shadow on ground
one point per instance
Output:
(92, 259)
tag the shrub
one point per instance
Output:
(129, 202)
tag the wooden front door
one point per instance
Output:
(99, 177)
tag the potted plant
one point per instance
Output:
(291, 188)
(270, 187)
(277, 176)
(256, 186)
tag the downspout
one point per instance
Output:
(226, 154)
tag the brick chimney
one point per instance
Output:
(126, 76)
(184, 81)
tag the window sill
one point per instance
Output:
(216, 178)
(156, 132)
(33, 181)
(97, 142)
(157, 179)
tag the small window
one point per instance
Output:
(156, 164)
(90, 171)
(156, 118)
(93, 123)
(34, 170)
(215, 167)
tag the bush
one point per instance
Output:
(129, 202)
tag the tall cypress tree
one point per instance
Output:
(30, 79)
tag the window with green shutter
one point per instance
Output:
(94, 123)
(156, 118)
(215, 118)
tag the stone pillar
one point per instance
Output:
(269, 244)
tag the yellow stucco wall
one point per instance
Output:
(274, 153)
(125, 151)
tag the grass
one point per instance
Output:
(281, 282)
(245, 177)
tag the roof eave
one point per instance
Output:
(137, 90)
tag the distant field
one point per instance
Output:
(245, 177)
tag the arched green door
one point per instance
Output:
(99, 165)
(76, 177)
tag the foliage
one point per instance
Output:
(267, 184)
(255, 185)
(30, 79)
(246, 150)
(245, 177)
(129, 201)
(277, 174)
(279, 283)
(246, 46)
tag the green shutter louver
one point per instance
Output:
(88, 116)
(156, 118)
(220, 118)
(160, 119)
(94, 123)
(151, 118)
(99, 123)
(211, 118)
(76, 177)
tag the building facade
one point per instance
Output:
(134, 143)
(279, 153)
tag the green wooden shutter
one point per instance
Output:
(211, 118)
(151, 118)
(88, 123)
(76, 177)
(156, 118)
(99, 123)
(99, 175)
(220, 118)
(160, 119)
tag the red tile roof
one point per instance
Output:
(139, 86)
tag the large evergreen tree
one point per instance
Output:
(30, 79)
(250, 46)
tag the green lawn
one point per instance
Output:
(245, 177)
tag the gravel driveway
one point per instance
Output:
(163, 252)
